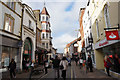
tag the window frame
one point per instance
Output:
(10, 17)
(97, 29)
(106, 16)
(9, 4)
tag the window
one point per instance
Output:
(43, 44)
(43, 26)
(29, 24)
(106, 15)
(47, 35)
(47, 27)
(97, 29)
(9, 23)
(43, 35)
(43, 18)
(11, 5)
(46, 18)
(46, 45)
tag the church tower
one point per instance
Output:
(46, 39)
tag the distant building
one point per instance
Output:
(46, 39)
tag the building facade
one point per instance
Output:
(46, 39)
(28, 34)
(104, 19)
(10, 29)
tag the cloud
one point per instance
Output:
(63, 22)
(61, 41)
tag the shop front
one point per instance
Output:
(27, 53)
(110, 48)
(9, 49)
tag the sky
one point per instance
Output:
(64, 19)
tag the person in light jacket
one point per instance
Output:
(64, 62)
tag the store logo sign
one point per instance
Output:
(112, 35)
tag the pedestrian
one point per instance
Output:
(27, 64)
(64, 62)
(32, 68)
(89, 62)
(107, 64)
(46, 65)
(56, 63)
(116, 63)
(76, 60)
(12, 68)
(24, 64)
(81, 62)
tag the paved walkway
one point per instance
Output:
(81, 73)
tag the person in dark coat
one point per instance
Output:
(116, 63)
(56, 63)
(46, 65)
(24, 64)
(89, 61)
(12, 67)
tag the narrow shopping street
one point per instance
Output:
(74, 72)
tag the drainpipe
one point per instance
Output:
(21, 51)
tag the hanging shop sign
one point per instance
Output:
(112, 35)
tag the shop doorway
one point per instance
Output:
(27, 53)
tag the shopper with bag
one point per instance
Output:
(64, 64)
(46, 65)
(107, 64)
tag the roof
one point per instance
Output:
(44, 11)
(68, 45)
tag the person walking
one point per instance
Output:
(89, 62)
(81, 62)
(32, 69)
(24, 64)
(107, 64)
(12, 67)
(56, 63)
(76, 60)
(46, 65)
(64, 62)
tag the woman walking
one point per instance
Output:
(107, 64)
(64, 62)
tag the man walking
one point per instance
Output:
(12, 67)
(56, 63)
(90, 63)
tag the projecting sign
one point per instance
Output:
(112, 35)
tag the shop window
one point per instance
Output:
(106, 16)
(9, 23)
(7, 54)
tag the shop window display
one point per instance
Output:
(113, 51)
(7, 54)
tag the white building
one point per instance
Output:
(10, 29)
(28, 34)
(87, 30)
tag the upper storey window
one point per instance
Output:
(46, 18)
(43, 18)
(11, 4)
(106, 15)
(9, 23)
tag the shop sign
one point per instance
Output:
(103, 43)
(112, 35)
